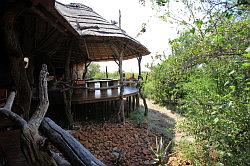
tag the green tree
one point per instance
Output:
(206, 78)
(93, 70)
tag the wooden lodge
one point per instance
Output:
(64, 37)
(100, 41)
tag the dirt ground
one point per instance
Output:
(128, 144)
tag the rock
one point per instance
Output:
(144, 151)
(116, 154)
(147, 162)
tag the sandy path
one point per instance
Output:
(162, 121)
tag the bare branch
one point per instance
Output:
(10, 100)
(14, 117)
(6, 111)
(40, 112)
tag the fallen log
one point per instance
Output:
(71, 149)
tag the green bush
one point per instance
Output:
(217, 111)
(137, 117)
(207, 80)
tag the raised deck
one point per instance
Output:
(93, 104)
(87, 96)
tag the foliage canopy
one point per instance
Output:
(207, 78)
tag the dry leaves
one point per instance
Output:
(116, 143)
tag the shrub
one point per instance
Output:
(207, 79)
(137, 117)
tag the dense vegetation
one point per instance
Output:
(206, 79)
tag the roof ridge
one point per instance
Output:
(80, 6)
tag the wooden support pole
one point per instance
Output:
(86, 65)
(107, 76)
(67, 95)
(130, 103)
(137, 101)
(133, 103)
(120, 19)
(140, 81)
(139, 58)
(121, 116)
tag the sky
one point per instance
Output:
(133, 15)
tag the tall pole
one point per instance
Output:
(68, 94)
(139, 64)
(139, 58)
(121, 109)
(107, 76)
(120, 19)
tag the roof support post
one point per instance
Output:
(106, 72)
(121, 114)
(118, 55)
(67, 95)
(139, 58)
(140, 82)
(86, 65)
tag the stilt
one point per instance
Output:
(140, 79)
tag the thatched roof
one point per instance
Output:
(98, 36)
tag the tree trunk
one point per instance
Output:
(14, 52)
(22, 85)
(32, 144)
(71, 149)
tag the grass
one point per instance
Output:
(137, 117)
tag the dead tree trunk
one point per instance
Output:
(31, 142)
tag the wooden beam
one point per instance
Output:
(86, 47)
(67, 95)
(45, 39)
(45, 15)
